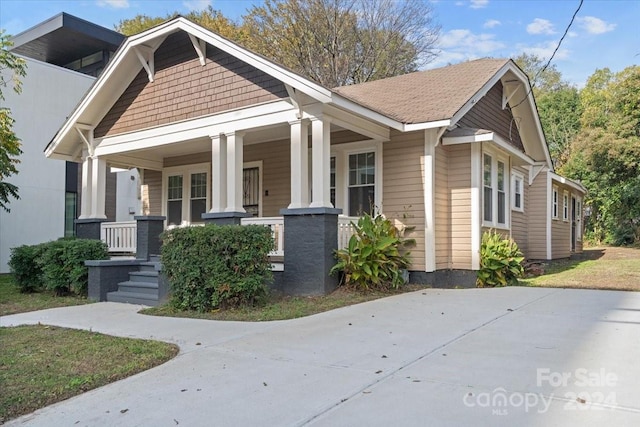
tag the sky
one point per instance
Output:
(604, 33)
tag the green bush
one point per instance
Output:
(217, 266)
(62, 263)
(373, 260)
(500, 261)
(26, 268)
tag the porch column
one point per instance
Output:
(218, 173)
(85, 203)
(299, 164)
(321, 159)
(234, 172)
(98, 187)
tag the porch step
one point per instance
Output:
(139, 287)
(144, 276)
(150, 266)
(133, 298)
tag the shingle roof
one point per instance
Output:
(424, 96)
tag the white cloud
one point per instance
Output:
(540, 26)
(116, 4)
(479, 4)
(463, 45)
(595, 25)
(196, 5)
(545, 50)
(491, 23)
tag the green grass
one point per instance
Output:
(41, 365)
(598, 268)
(281, 307)
(12, 301)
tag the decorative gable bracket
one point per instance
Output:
(86, 135)
(145, 55)
(510, 88)
(201, 48)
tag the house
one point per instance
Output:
(223, 135)
(63, 56)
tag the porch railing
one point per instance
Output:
(120, 237)
(346, 230)
(276, 224)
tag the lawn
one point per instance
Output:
(281, 307)
(12, 301)
(611, 268)
(41, 365)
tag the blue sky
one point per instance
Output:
(604, 34)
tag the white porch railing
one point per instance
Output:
(346, 230)
(119, 236)
(277, 229)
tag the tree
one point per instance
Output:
(209, 18)
(341, 42)
(9, 142)
(558, 105)
(605, 155)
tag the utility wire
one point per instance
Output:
(543, 69)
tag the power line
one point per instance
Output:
(543, 69)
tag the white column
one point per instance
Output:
(321, 162)
(299, 164)
(218, 173)
(430, 141)
(234, 172)
(476, 204)
(85, 196)
(98, 187)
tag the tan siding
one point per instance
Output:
(537, 214)
(442, 209)
(345, 136)
(489, 114)
(183, 89)
(459, 187)
(403, 197)
(276, 170)
(152, 192)
(519, 223)
(189, 159)
(561, 229)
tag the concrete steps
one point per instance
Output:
(142, 286)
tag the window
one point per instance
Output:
(554, 211)
(579, 220)
(251, 190)
(362, 173)
(488, 189)
(565, 206)
(70, 208)
(332, 184)
(495, 185)
(518, 192)
(174, 200)
(198, 196)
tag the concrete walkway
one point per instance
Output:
(513, 356)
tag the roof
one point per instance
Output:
(425, 96)
(63, 39)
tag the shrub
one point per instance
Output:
(62, 263)
(217, 266)
(373, 259)
(26, 268)
(500, 261)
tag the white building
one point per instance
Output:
(63, 56)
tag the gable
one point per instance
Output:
(488, 114)
(183, 89)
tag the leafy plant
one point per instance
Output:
(25, 267)
(373, 260)
(500, 261)
(217, 266)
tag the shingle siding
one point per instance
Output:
(183, 89)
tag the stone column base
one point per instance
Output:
(149, 229)
(224, 218)
(88, 228)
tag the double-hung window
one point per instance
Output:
(495, 185)
(565, 206)
(517, 200)
(554, 201)
(362, 175)
(186, 194)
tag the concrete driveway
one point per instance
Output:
(512, 356)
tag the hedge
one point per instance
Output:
(57, 265)
(217, 266)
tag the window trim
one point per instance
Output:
(565, 206)
(517, 176)
(497, 157)
(554, 202)
(252, 165)
(186, 171)
(341, 153)
(578, 218)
